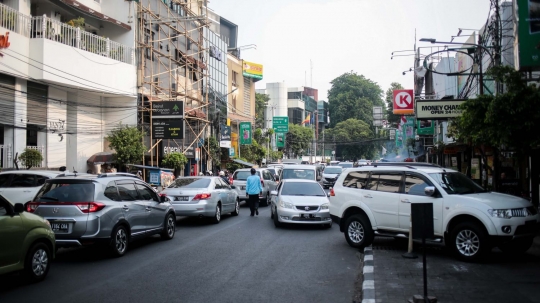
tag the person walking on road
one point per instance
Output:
(253, 189)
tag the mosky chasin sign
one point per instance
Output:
(403, 101)
(438, 109)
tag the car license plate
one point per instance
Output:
(307, 216)
(182, 198)
(60, 226)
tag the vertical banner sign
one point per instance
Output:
(245, 133)
(403, 102)
(280, 140)
(528, 37)
(225, 140)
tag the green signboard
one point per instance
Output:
(425, 127)
(528, 38)
(280, 140)
(280, 124)
(399, 138)
(245, 133)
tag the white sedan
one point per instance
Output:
(300, 201)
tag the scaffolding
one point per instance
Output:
(172, 66)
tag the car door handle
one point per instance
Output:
(368, 196)
(405, 201)
(125, 207)
(27, 191)
(148, 208)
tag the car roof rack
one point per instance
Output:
(105, 175)
(406, 164)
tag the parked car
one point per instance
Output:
(329, 175)
(300, 201)
(21, 186)
(376, 200)
(275, 172)
(203, 197)
(268, 183)
(308, 172)
(362, 162)
(27, 241)
(110, 209)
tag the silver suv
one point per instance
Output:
(110, 209)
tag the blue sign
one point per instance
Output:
(231, 152)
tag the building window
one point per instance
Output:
(31, 135)
(234, 76)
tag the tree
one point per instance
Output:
(298, 140)
(353, 96)
(390, 117)
(260, 105)
(351, 133)
(174, 160)
(214, 149)
(127, 142)
(31, 158)
(255, 152)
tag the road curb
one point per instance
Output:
(368, 284)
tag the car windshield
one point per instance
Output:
(332, 170)
(66, 192)
(457, 183)
(272, 170)
(345, 165)
(243, 175)
(302, 189)
(190, 183)
(308, 174)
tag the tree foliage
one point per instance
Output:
(353, 130)
(390, 117)
(260, 106)
(255, 152)
(31, 158)
(127, 142)
(509, 119)
(214, 149)
(353, 96)
(297, 140)
(174, 160)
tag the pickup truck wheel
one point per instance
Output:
(469, 241)
(517, 247)
(358, 231)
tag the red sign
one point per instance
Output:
(403, 102)
(4, 42)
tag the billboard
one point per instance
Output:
(526, 51)
(280, 140)
(438, 109)
(225, 140)
(403, 102)
(167, 128)
(252, 70)
(245, 133)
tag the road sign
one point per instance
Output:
(403, 102)
(231, 152)
(280, 124)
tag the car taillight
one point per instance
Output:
(89, 207)
(202, 196)
(332, 193)
(31, 207)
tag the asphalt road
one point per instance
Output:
(241, 259)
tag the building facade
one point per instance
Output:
(67, 78)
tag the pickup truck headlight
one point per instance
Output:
(283, 204)
(500, 213)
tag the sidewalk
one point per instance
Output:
(500, 278)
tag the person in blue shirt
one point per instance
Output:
(253, 189)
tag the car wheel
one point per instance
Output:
(169, 227)
(119, 241)
(469, 241)
(516, 247)
(236, 208)
(276, 220)
(266, 200)
(358, 231)
(271, 212)
(38, 262)
(217, 216)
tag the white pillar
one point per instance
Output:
(20, 117)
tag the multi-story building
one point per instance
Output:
(67, 77)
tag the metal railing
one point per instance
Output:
(51, 29)
(45, 27)
(14, 21)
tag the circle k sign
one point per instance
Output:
(403, 101)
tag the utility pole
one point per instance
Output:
(316, 113)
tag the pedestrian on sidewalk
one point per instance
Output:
(253, 189)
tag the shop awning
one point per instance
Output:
(243, 162)
(88, 11)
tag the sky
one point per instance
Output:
(311, 42)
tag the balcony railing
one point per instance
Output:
(45, 27)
